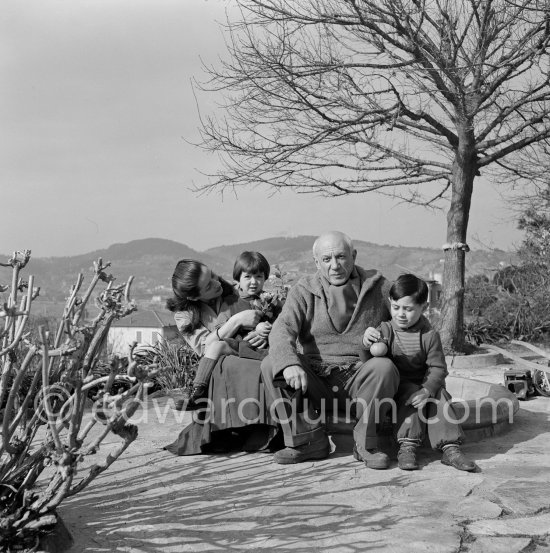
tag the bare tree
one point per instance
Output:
(409, 98)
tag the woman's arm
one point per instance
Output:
(249, 317)
(197, 340)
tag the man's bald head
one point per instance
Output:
(331, 236)
(334, 256)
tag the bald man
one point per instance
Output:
(313, 364)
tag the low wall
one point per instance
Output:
(484, 409)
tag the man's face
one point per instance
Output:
(334, 260)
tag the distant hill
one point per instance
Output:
(152, 261)
(295, 255)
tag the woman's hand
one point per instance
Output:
(418, 399)
(263, 329)
(255, 340)
(248, 318)
(371, 336)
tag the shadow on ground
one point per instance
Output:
(211, 503)
(152, 501)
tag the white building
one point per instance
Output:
(146, 327)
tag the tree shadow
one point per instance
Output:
(209, 503)
(153, 501)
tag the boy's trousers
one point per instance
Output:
(437, 418)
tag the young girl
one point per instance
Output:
(250, 272)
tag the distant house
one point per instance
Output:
(146, 327)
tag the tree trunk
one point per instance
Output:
(452, 316)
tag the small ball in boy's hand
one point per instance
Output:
(379, 349)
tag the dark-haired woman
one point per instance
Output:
(207, 309)
(250, 272)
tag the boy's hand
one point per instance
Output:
(371, 336)
(263, 329)
(418, 399)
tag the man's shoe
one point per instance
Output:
(312, 450)
(406, 457)
(453, 457)
(373, 458)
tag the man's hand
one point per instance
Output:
(418, 399)
(371, 336)
(263, 329)
(296, 377)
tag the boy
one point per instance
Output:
(422, 400)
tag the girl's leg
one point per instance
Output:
(206, 365)
(204, 371)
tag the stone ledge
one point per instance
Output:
(475, 361)
(484, 409)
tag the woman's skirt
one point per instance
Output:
(235, 416)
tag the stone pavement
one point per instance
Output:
(152, 501)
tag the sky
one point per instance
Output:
(98, 118)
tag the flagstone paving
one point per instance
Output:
(152, 501)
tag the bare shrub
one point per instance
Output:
(45, 377)
(516, 305)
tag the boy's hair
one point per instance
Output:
(250, 262)
(409, 285)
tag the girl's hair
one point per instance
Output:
(185, 282)
(409, 285)
(250, 262)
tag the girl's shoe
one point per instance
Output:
(191, 400)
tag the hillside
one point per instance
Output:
(152, 261)
(295, 254)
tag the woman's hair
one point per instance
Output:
(250, 262)
(409, 285)
(185, 285)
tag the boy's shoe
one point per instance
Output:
(190, 400)
(373, 458)
(312, 450)
(453, 457)
(406, 456)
